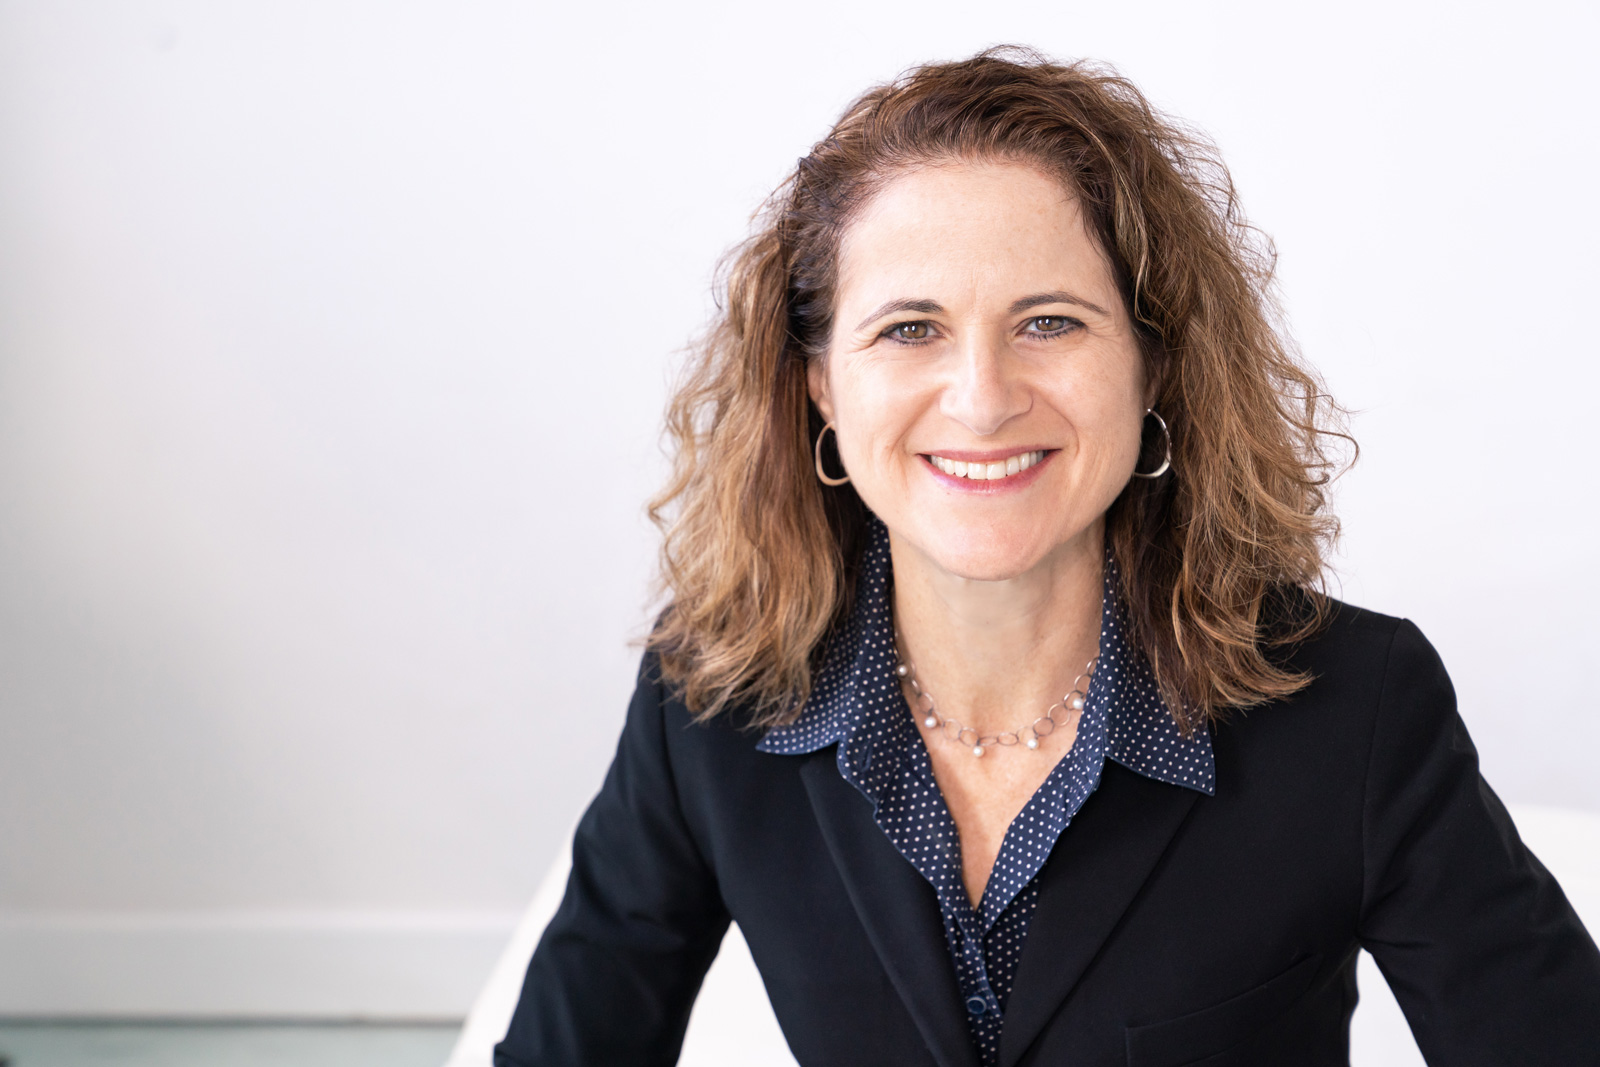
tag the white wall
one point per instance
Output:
(333, 343)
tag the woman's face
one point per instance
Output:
(982, 374)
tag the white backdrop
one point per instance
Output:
(334, 338)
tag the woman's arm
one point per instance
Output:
(616, 972)
(1484, 954)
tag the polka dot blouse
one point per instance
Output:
(857, 704)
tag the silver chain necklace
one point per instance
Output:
(1030, 735)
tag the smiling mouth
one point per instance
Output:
(1005, 468)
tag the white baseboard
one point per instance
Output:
(243, 965)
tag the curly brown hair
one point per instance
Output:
(1222, 562)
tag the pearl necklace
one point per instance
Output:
(1043, 726)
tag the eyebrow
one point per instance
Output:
(1055, 296)
(933, 307)
(926, 307)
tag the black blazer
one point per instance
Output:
(1172, 928)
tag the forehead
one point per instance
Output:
(975, 230)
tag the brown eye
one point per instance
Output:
(910, 331)
(1049, 324)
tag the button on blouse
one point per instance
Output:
(857, 705)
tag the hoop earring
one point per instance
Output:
(822, 475)
(1166, 462)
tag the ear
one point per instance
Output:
(1152, 385)
(1154, 368)
(817, 386)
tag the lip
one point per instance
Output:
(1020, 480)
(993, 456)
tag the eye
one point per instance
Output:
(1050, 325)
(909, 331)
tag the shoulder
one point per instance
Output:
(1359, 640)
(736, 802)
(1373, 681)
(659, 713)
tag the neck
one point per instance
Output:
(995, 654)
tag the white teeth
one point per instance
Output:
(987, 471)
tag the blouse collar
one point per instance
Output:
(857, 685)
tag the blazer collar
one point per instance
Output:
(1095, 872)
(898, 909)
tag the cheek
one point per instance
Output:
(873, 412)
(1111, 409)
(1102, 446)
(1117, 431)
(1115, 445)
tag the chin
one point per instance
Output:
(987, 556)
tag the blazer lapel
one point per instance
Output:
(897, 907)
(1094, 872)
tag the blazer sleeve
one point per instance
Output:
(616, 972)
(1483, 951)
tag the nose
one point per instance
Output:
(987, 389)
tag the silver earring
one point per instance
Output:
(822, 475)
(1166, 462)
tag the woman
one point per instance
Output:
(997, 699)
